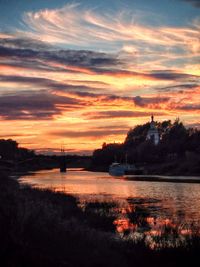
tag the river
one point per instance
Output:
(160, 204)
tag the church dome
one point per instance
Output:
(152, 133)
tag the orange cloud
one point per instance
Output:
(81, 97)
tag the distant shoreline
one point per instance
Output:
(141, 178)
(168, 179)
(167, 169)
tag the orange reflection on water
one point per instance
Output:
(123, 225)
(154, 232)
(147, 209)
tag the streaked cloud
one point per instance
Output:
(86, 27)
(117, 114)
(189, 107)
(80, 76)
(82, 58)
(179, 87)
(42, 83)
(94, 134)
(37, 106)
(149, 101)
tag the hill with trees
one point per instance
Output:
(178, 151)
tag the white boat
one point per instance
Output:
(119, 169)
(131, 169)
(116, 169)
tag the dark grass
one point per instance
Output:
(44, 228)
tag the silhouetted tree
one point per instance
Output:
(175, 141)
(108, 154)
(136, 135)
(9, 150)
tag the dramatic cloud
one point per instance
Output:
(38, 83)
(77, 62)
(100, 97)
(189, 107)
(171, 75)
(82, 58)
(90, 133)
(82, 76)
(37, 106)
(49, 62)
(149, 101)
(23, 43)
(88, 27)
(179, 87)
(117, 114)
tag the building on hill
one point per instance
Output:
(152, 133)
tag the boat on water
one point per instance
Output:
(131, 169)
(120, 169)
(116, 169)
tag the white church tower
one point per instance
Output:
(152, 133)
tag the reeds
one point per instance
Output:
(45, 228)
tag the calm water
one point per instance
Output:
(140, 205)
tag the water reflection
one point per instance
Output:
(137, 209)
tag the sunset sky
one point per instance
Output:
(78, 74)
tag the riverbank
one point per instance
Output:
(168, 179)
(148, 177)
(45, 228)
(174, 168)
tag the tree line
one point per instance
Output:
(177, 143)
(10, 150)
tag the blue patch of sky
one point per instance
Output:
(168, 12)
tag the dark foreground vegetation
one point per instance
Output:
(44, 228)
(178, 152)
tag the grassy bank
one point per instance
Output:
(175, 168)
(44, 228)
